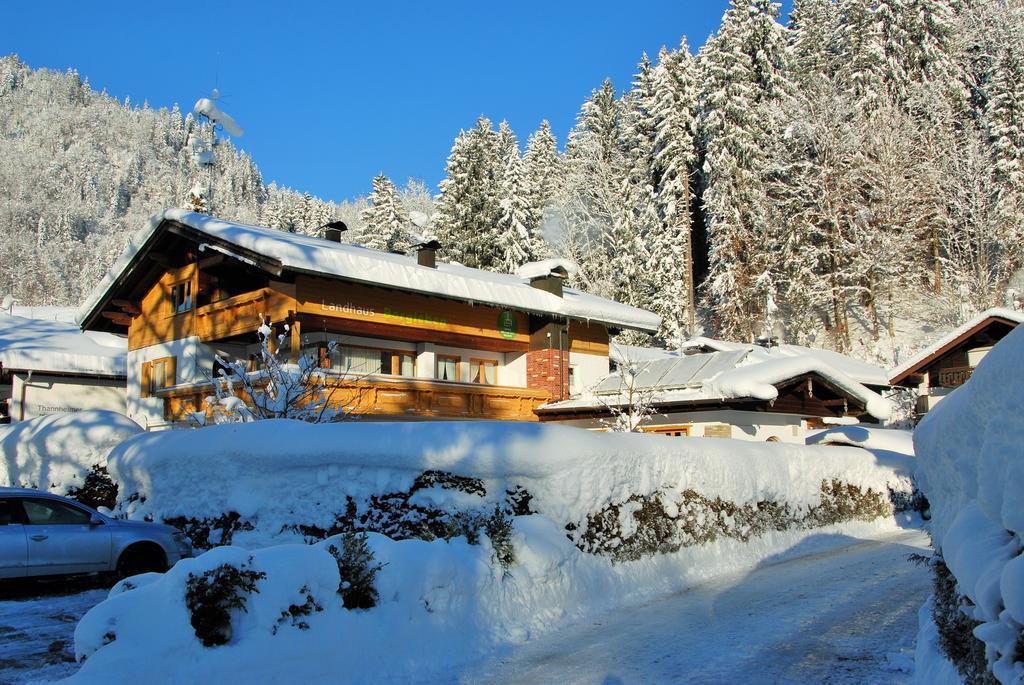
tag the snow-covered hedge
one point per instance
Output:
(585, 522)
(64, 453)
(971, 451)
(287, 481)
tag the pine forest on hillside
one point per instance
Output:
(819, 181)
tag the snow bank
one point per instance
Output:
(446, 602)
(57, 452)
(931, 667)
(276, 474)
(972, 471)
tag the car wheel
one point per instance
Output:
(141, 559)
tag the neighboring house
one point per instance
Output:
(398, 336)
(49, 366)
(745, 392)
(946, 364)
(869, 375)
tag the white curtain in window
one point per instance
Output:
(489, 370)
(355, 360)
(446, 369)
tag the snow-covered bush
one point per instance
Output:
(499, 531)
(972, 471)
(65, 454)
(356, 570)
(213, 594)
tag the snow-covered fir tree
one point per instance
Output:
(387, 224)
(590, 194)
(745, 82)
(515, 238)
(541, 168)
(469, 211)
(674, 156)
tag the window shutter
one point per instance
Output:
(146, 378)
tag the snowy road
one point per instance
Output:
(848, 615)
(37, 628)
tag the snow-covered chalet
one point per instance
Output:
(398, 336)
(717, 388)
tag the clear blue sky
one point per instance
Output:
(332, 93)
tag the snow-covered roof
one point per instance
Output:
(49, 313)
(722, 376)
(940, 345)
(630, 354)
(60, 347)
(860, 371)
(302, 253)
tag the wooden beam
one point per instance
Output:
(162, 260)
(296, 331)
(213, 260)
(127, 306)
(118, 318)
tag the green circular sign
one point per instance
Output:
(507, 325)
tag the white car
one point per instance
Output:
(47, 535)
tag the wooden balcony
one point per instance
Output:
(954, 376)
(394, 398)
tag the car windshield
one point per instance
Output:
(49, 512)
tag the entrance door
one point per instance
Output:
(60, 539)
(12, 542)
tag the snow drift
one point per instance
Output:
(596, 521)
(58, 452)
(972, 471)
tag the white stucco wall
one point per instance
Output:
(588, 370)
(46, 394)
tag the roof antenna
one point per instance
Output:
(201, 199)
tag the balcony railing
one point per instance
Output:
(954, 376)
(393, 397)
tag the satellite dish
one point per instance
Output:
(205, 107)
(419, 219)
